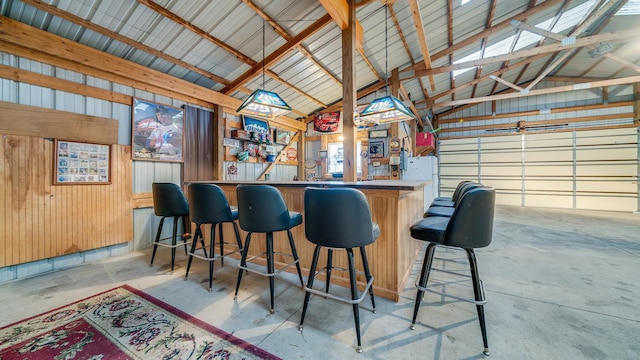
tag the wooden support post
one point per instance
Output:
(301, 155)
(349, 166)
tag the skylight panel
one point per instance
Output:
(568, 19)
(632, 7)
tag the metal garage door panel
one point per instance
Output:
(555, 201)
(607, 186)
(509, 199)
(607, 203)
(611, 136)
(548, 170)
(459, 172)
(458, 158)
(549, 185)
(500, 157)
(607, 153)
(548, 155)
(625, 169)
(502, 171)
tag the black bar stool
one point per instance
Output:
(469, 227)
(351, 228)
(261, 209)
(209, 205)
(169, 201)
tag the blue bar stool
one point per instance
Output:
(469, 227)
(351, 228)
(261, 209)
(209, 205)
(169, 202)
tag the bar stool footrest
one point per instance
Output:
(363, 294)
(263, 273)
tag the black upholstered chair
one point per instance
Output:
(469, 227)
(457, 189)
(435, 210)
(262, 209)
(460, 189)
(209, 205)
(350, 227)
(169, 202)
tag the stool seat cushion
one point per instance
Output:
(295, 218)
(439, 211)
(431, 229)
(447, 203)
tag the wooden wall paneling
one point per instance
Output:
(37, 121)
(42, 221)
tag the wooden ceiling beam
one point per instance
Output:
(285, 35)
(339, 12)
(422, 38)
(20, 34)
(187, 25)
(486, 33)
(278, 54)
(394, 18)
(559, 89)
(483, 47)
(616, 36)
(123, 39)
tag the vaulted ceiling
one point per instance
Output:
(447, 53)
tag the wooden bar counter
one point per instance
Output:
(395, 206)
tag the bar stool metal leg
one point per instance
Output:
(270, 268)
(312, 276)
(329, 268)
(368, 276)
(243, 263)
(478, 291)
(424, 277)
(354, 296)
(155, 245)
(295, 256)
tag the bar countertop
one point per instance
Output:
(408, 185)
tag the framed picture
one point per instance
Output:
(376, 149)
(157, 132)
(255, 125)
(378, 134)
(81, 163)
(282, 137)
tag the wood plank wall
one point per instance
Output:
(41, 220)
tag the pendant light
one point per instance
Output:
(263, 103)
(389, 108)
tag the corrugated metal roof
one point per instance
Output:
(238, 26)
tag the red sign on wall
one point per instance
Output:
(326, 122)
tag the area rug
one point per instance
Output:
(121, 323)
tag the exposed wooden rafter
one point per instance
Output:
(422, 38)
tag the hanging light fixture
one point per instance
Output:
(389, 108)
(261, 102)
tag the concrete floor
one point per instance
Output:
(561, 284)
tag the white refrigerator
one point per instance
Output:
(423, 168)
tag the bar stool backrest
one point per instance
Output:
(169, 200)
(208, 204)
(471, 225)
(464, 189)
(337, 217)
(261, 208)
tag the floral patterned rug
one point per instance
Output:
(121, 323)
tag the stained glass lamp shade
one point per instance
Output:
(385, 110)
(264, 103)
